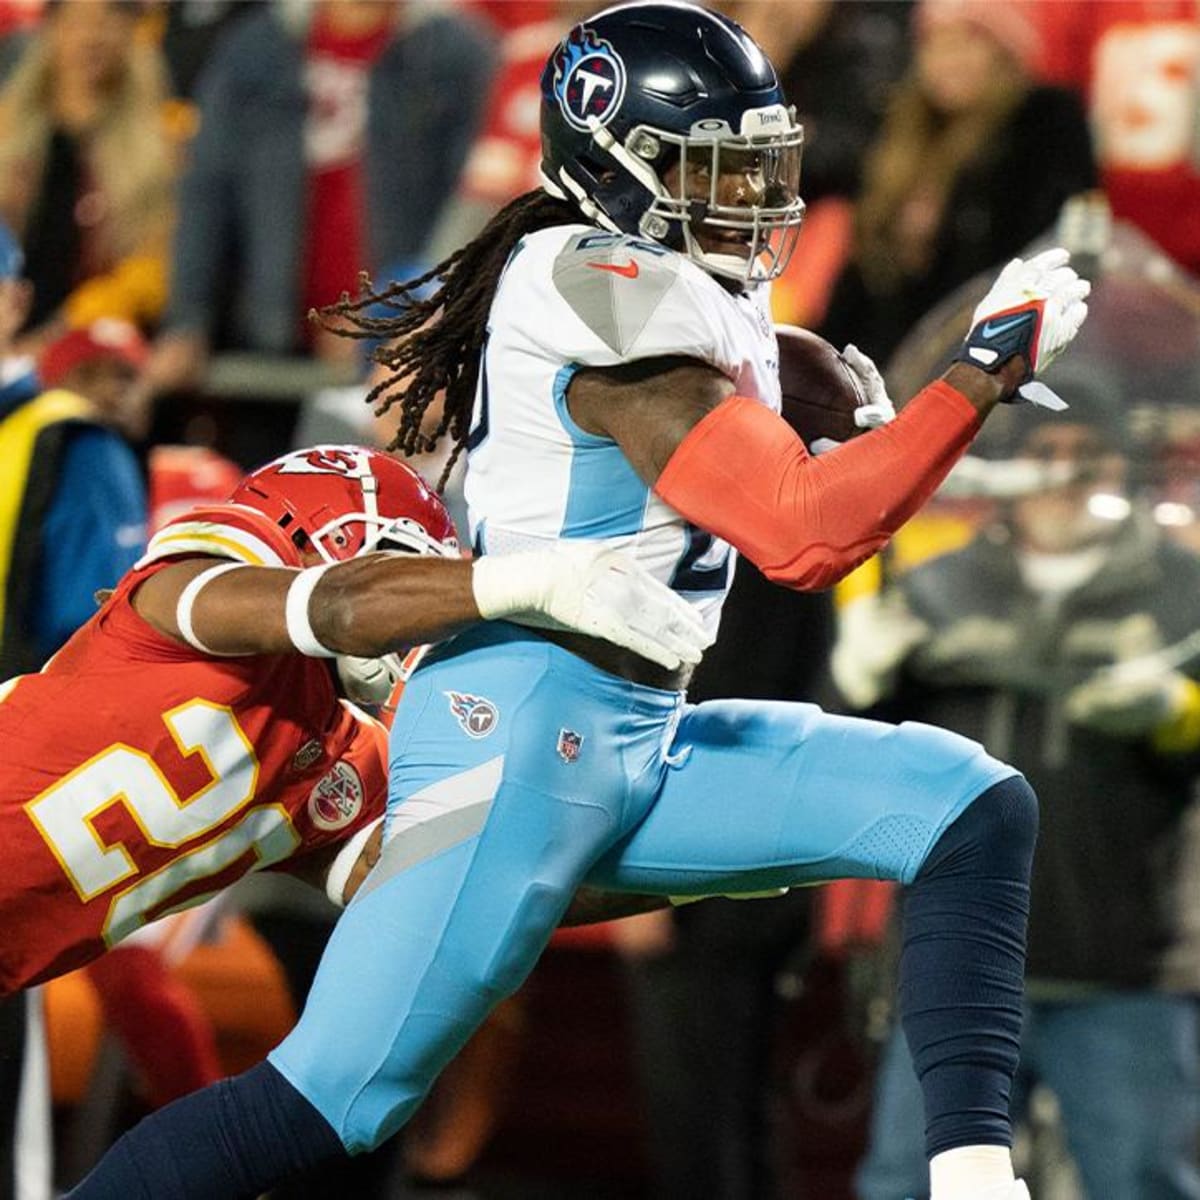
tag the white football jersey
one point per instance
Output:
(575, 296)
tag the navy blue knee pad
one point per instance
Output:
(234, 1139)
(963, 963)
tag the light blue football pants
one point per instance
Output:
(520, 772)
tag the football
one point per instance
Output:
(820, 393)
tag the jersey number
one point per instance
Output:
(704, 564)
(65, 816)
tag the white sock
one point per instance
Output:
(968, 1172)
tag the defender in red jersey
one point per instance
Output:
(190, 732)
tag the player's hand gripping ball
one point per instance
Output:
(828, 397)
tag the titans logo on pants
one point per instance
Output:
(476, 714)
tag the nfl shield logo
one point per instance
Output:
(307, 755)
(569, 745)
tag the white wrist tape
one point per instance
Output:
(505, 584)
(296, 613)
(343, 864)
(187, 598)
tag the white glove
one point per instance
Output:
(1034, 309)
(594, 589)
(1127, 703)
(368, 680)
(879, 409)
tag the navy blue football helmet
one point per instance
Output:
(667, 121)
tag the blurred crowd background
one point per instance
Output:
(181, 183)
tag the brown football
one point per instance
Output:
(820, 393)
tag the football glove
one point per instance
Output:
(879, 409)
(1034, 309)
(594, 589)
(368, 680)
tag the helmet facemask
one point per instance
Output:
(351, 533)
(401, 534)
(693, 208)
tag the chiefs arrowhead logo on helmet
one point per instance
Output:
(343, 500)
(331, 501)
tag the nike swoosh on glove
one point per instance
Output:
(1034, 309)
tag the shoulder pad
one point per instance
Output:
(234, 531)
(614, 283)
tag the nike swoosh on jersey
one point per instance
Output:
(627, 270)
(989, 330)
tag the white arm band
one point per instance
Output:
(343, 864)
(187, 598)
(296, 613)
(508, 583)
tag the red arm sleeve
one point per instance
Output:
(805, 522)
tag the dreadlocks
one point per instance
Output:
(435, 343)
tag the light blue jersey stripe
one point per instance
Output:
(605, 497)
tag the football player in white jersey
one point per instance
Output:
(609, 366)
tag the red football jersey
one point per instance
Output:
(138, 776)
(1138, 61)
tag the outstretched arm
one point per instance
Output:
(372, 605)
(735, 469)
(367, 606)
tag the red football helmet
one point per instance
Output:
(345, 500)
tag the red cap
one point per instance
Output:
(106, 338)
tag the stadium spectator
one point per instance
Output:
(190, 30)
(947, 191)
(1138, 64)
(1020, 640)
(86, 167)
(330, 137)
(75, 521)
(100, 362)
(838, 64)
(504, 159)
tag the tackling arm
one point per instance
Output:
(339, 869)
(374, 604)
(367, 606)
